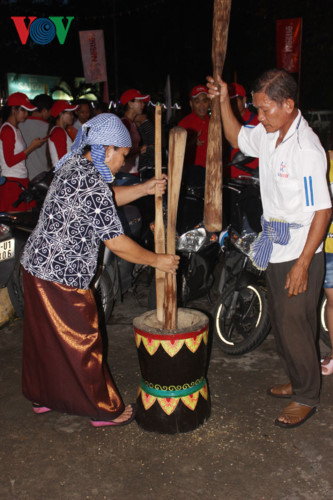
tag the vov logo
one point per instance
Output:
(42, 30)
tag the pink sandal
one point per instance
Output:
(39, 410)
(326, 365)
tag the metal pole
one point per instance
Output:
(115, 51)
(299, 66)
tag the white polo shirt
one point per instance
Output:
(293, 180)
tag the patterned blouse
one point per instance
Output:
(78, 213)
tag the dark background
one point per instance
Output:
(152, 38)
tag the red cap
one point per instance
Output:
(19, 99)
(60, 106)
(235, 90)
(131, 94)
(199, 89)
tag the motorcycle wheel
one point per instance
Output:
(15, 288)
(249, 324)
(323, 330)
(104, 296)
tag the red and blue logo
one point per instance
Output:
(42, 30)
(283, 170)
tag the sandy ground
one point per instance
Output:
(238, 454)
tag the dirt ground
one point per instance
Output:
(237, 455)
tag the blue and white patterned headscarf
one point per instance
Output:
(105, 129)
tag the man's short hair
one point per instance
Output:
(83, 101)
(101, 106)
(42, 101)
(277, 84)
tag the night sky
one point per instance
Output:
(152, 38)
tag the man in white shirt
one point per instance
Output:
(296, 213)
(83, 113)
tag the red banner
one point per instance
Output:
(288, 44)
(93, 55)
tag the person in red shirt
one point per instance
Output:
(196, 124)
(60, 141)
(14, 151)
(237, 97)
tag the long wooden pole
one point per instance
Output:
(177, 144)
(159, 234)
(213, 187)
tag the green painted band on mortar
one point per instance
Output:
(160, 393)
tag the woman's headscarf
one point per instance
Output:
(105, 129)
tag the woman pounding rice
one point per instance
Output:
(63, 368)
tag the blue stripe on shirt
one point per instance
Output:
(306, 191)
(311, 190)
(308, 188)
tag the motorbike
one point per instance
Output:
(323, 328)
(241, 320)
(198, 248)
(241, 311)
(15, 229)
(113, 276)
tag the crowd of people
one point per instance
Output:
(34, 135)
(59, 261)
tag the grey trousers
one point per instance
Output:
(294, 324)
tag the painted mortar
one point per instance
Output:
(173, 394)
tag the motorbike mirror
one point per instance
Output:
(43, 180)
(240, 159)
(3, 180)
(39, 177)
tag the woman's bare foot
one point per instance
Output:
(125, 415)
(124, 418)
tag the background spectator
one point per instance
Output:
(37, 125)
(60, 142)
(196, 124)
(100, 107)
(83, 113)
(133, 103)
(147, 133)
(14, 152)
(247, 118)
(327, 361)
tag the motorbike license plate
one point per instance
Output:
(7, 249)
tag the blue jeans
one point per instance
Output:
(328, 282)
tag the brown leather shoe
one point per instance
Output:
(294, 415)
(281, 391)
